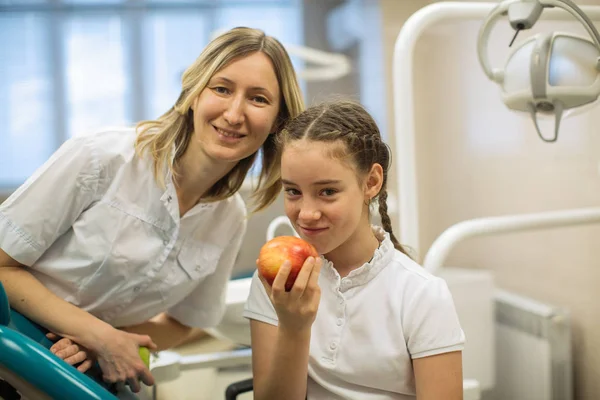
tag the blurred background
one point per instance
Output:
(68, 67)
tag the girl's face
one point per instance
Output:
(238, 109)
(324, 200)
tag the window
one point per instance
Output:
(74, 66)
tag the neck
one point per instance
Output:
(354, 252)
(195, 175)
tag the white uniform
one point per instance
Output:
(98, 231)
(370, 324)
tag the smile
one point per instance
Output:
(312, 231)
(228, 134)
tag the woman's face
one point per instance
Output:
(238, 109)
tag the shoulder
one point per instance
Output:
(413, 282)
(111, 143)
(104, 147)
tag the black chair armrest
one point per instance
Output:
(237, 388)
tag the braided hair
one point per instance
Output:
(349, 123)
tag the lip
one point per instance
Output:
(230, 139)
(312, 231)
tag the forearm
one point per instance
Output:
(165, 331)
(288, 372)
(31, 298)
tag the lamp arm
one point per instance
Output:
(490, 21)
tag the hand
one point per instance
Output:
(296, 309)
(70, 352)
(117, 353)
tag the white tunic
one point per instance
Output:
(96, 229)
(370, 325)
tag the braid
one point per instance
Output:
(386, 222)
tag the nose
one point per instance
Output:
(234, 114)
(309, 212)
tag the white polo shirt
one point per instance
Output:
(370, 324)
(97, 230)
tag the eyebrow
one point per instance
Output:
(227, 80)
(317, 183)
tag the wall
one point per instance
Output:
(476, 158)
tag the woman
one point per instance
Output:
(139, 229)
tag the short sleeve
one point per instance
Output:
(431, 323)
(205, 306)
(50, 201)
(259, 306)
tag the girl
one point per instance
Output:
(139, 229)
(365, 322)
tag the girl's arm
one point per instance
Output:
(117, 351)
(439, 376)
(279, 362)
(280, 353)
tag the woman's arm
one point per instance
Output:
(117, 351)
(439, 376)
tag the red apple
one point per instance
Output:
(276, 251)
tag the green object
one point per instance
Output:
(145, 355)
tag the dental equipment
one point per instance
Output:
(404, 107)
(548, 73)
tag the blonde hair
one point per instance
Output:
(175, 127)
(347, 122)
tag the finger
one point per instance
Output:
(67, 351)
(146, 377)
(265, 284)
(52, 336)
(303, 276)
(77, 358)
(281, 277)
(316, 272)
(145, 341)
(313, 281)
(134, 385)
(84, 366)
(60, 345)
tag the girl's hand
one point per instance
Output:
(70, 352)
(117, 353)
(296, 309)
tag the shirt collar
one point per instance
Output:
(381, 258)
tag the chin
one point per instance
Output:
(228, 155)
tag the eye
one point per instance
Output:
(221, 90)
(329, 192)
(260, 99)
(292, 192)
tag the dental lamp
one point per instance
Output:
(548, 73)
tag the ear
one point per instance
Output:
(373, 182)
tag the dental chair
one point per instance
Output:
(28, 370)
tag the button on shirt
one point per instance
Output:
(370, 324)
(96, 229)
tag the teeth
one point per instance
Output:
(228, 134)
